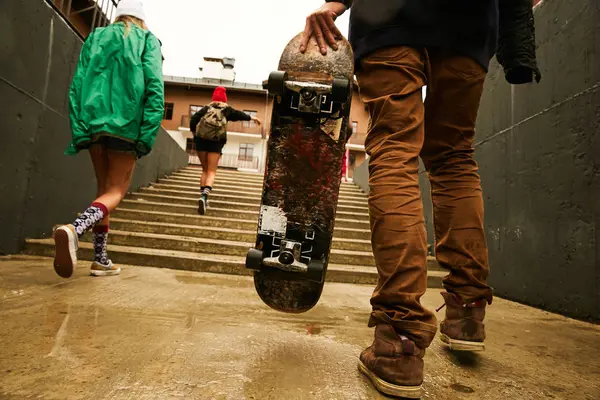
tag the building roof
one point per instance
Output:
(209, 83)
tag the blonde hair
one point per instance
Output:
(128, 19)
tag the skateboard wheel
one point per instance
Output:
(276, 84)
(340, 89)
(316, 271)
(254, 259)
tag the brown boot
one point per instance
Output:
(393, 363)
(463, 328)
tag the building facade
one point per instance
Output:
(246, 141)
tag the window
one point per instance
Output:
(246, 151)
(168, 115)
(249, 124)
(354, 127)
(194, 109)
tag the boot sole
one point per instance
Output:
(462, 345)
(408, 392)
(65, 256)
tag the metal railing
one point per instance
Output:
(229, 161)
(86, 15)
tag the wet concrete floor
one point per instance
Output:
(165, 334)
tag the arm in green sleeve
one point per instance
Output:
(154, 98)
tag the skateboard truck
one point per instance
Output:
(287, 260)
(311, 95)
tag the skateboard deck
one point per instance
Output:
(311, 108)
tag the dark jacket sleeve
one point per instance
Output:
(196, 118)
(235, 115)
(347, 3)
(516, 42)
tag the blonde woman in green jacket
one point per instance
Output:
(116, 108)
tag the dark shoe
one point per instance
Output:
(463, 328)
(393, 363)
(202, 205)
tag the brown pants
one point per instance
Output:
(441, 132)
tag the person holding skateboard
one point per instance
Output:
(116, 105)
(399, 47)
(209, 126)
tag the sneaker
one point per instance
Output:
(66, 243)
(393, 363)
(463, 328)
(202, 205)
(99, 269)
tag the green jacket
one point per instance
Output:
(118, 88)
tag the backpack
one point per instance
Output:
(213, 125)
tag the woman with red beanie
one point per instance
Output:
(209, 126)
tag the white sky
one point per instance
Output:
(254, 32)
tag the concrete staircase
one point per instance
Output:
(159, 227)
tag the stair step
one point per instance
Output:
(193, 202)
(360, 199)
(342, 204)
(182, 260)
(215, 246)
(245, 184)
(222, 203)
(343, 219)
(196, 195)
(217, 222)
(223, 171)
(219, 180)
(193, 218)
(194, 192)
(211, 232)
(238, 177)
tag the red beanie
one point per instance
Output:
(220, 94)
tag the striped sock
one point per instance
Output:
(205, 190)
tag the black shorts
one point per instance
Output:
(112, 143)
(209, 145)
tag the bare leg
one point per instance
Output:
(202, 155)
(113, 172)
(211, 168)
(99, 156)
(120, 172)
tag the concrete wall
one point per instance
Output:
(40, 186)
(539, 149)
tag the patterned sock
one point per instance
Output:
(90, 217)
(205, 190)
(100, 240)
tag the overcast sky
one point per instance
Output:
(254, 32)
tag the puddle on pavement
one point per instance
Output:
(212, 281)
(462, 388)
(313, 329)
(465, 359)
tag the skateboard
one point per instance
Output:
(312, 95)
